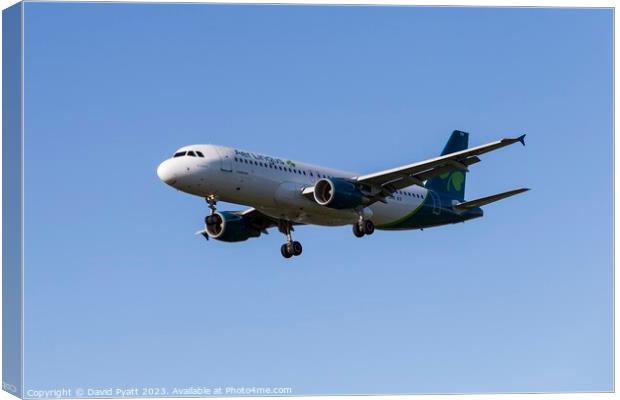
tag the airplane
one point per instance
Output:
(283, 193)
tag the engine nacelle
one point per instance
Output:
(338, 193)
(229, 227)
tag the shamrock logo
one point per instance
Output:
(455, 179)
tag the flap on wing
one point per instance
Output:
(489, 199)
(419, 178)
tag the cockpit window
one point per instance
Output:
(190, 153)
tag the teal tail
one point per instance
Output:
(451, 185)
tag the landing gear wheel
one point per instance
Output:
(357, 231)
(284, 251)
(290, 248)
(296, 248)
(369, 227)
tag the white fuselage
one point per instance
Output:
(273, 185)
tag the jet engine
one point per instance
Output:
(229, 227)
(338, 193)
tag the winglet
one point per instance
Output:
(521, 139)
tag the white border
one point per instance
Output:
(484, 3)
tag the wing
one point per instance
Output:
(257, 219)
(386, 182)
(263, 221)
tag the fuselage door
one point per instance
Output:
(225, 160)
(436, 202)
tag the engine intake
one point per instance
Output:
(338, 193)
(229, 227)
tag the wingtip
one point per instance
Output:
(203, 233)
(521, 139)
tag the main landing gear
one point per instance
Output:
(363, 227)
(290, 248)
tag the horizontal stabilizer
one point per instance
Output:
(489, 199)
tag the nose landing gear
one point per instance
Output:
(290, 248)
(212, 201)
(211, 219)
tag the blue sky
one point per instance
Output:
(120, 293)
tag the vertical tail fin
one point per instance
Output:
(451, 184)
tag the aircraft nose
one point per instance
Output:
(166, 172)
